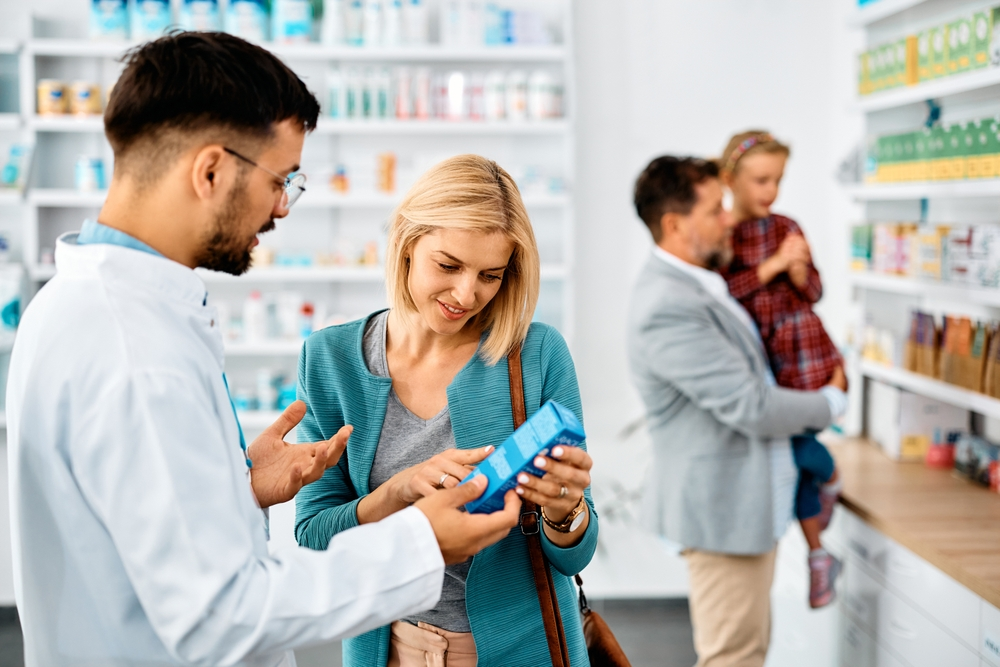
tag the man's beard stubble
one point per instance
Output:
(225, 250)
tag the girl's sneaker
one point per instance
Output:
(823, 572)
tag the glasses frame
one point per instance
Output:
(293, 185)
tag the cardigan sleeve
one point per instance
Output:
(329, 505)
(559, 384)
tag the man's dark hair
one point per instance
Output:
(191, 83)
(667, 185)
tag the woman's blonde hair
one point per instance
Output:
(472, 193)
(746, 143)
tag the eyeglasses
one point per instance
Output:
(294, 184)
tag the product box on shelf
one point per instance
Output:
(982, 31)
(976, 458)
(861, 248)
(991, 376)
(939, 51)
(904, 424)
(921, 352)
(959, 45)
(930, 251)
(923, 56)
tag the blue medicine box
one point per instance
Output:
(552, 425)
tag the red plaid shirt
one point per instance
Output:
(801, 353)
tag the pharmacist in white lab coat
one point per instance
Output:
(138, 534)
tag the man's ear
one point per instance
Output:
(669, 223)
(207, 169)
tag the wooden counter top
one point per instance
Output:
(946, 520)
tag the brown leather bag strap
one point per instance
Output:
(531, 526)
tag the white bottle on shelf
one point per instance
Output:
(332, 28)
(336, 94)
(517, 95)
(392, 26)
(452, 23)
(254, 318)
(415, 22)
(374, 17)
(494, 96)
(354, 22)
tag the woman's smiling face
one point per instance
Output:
(454, 274)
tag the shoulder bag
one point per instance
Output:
(602, 647)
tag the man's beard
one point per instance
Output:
(719, 259)
(226, 250)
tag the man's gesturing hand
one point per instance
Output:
(461, 535)
(280, 469)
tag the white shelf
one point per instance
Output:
(425, 54)
(316, 198)
(984, 296)
(79, 48)
(67, 123)
(10, 121)
(83, 48)
(987, 187)
(931, 388)
(257, 420)
(303, 274)
(10, 197)
(880, 9)
(3, 419)
(41, 272)
(9, 47)
(55, 198)
(271, 348)
(424, 127)
(950, 85)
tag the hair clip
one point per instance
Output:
(744, 146)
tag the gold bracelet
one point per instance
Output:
(572, 520)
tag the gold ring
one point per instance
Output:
(563, 491)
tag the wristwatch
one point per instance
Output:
(572, 521)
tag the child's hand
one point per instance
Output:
(798, 273)
(793, 249)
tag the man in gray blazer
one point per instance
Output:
(723, 474)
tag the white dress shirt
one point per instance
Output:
(784, 473)
(136, 537)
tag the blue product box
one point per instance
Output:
(150, 18)
(552, 425)
(109, 19)
(248, 19)
(200, 15)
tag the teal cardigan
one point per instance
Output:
(501, 599)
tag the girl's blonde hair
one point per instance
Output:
(746, 143)
(472, 193)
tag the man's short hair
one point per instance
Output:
(667, 185)
(199, 85)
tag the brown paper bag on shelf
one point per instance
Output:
(964, 353)
(991, 374)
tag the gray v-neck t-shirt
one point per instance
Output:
(405, 441)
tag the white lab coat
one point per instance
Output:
(136, 536)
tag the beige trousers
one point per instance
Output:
(730, 607)
(424, 645)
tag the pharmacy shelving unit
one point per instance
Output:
(54, 206)
(886, 300)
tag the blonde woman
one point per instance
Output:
(425, 386)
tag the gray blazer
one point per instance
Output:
(711, 414)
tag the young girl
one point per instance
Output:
(772, 275)
(425, 385)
